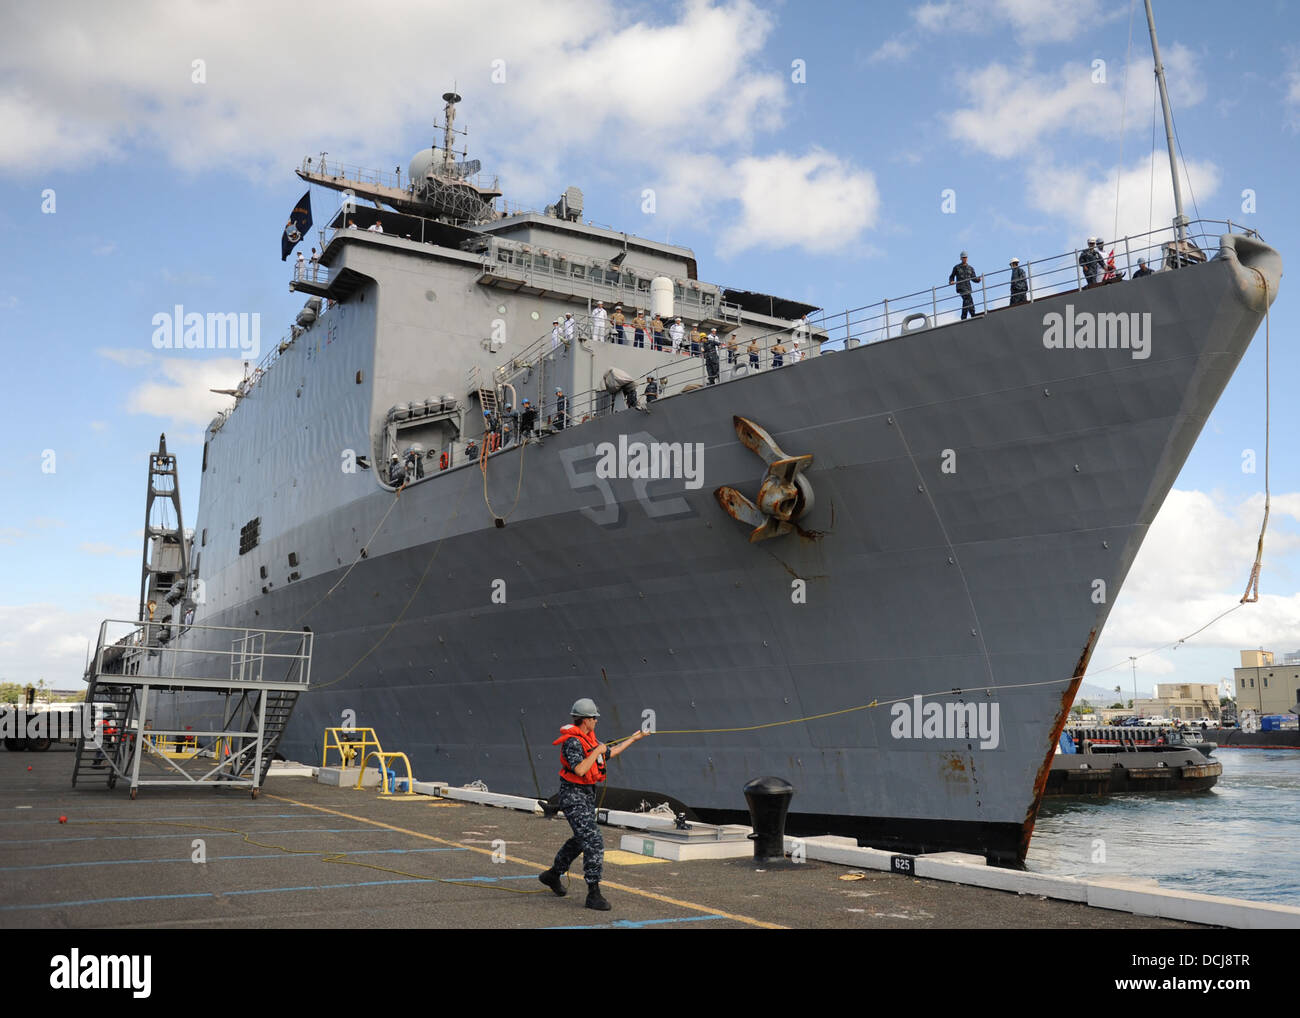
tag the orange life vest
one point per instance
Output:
(596, 772)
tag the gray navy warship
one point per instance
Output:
(872, 570)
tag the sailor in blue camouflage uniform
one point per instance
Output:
(962, 274)
(582, 768)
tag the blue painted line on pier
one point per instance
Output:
(212, 895)
(158, 820)
(636, 924)
(297, 854)
(190, 834)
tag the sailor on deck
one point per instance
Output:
(570, 328)
(560, 419)
(1019, 283)
(962, 274)
(1091, 261)
(599, 322)
(396, 471)
(711, 355)
(582, 768)
(677, 333)
(555, 334)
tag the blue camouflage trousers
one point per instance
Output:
(579, 805)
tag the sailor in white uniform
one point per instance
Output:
(677, 332)
(570, 328)
(555, 334)
(599, 322)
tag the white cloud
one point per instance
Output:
(1291, 98)
(815, 202)
(1193, 565)
(579, 74)
(127, 357)
(46, 641)
(1032, 22)
(1040, 21)
(98, 548)
(1013, 109)
(892, 51)
(182, 393)
(178, 384)
(1085, 199)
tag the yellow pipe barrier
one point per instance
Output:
(384, 759)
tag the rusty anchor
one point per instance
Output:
(784, 495)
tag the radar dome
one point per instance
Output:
(425, 160)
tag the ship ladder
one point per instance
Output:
(106, 740)
(279, 706)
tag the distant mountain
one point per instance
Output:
(1104, 696)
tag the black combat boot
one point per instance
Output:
(551, 878)
(596, 900)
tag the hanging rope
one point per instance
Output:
(1252, 585)
(360, 555)
(483, 466)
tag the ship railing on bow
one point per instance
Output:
(941, 303)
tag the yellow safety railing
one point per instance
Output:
(174, 747)
(349, 743)
(353, 744)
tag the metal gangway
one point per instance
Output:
(249, 678)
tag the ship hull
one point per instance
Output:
(906, 659)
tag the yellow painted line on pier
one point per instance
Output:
(662, 898)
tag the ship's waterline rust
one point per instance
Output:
(606, 566)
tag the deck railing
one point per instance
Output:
(891, 318)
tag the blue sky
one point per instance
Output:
(802, 150)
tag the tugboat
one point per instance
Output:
(1088, 763)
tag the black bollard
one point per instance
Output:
(769, 801)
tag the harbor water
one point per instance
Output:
(1241, 839)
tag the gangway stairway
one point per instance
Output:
(111, 705)
(279, 706)
(132, 677)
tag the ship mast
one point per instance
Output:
(449, 115)
(1180, 219)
